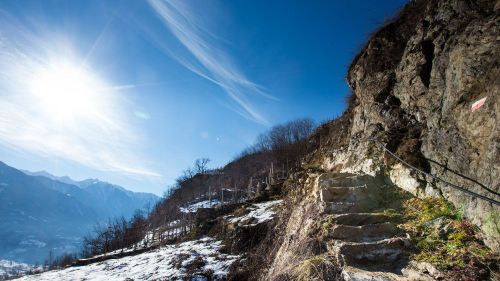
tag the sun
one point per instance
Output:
(65, 91)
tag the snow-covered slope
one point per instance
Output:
(194, 260)
(9, 269)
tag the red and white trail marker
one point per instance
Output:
(478, 104)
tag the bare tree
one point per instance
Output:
(200, 165)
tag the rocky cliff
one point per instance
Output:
(413, 84)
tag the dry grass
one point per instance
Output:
(318, 268)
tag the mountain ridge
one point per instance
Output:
(46, 211)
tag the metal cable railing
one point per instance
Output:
(471, 193)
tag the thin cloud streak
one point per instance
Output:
(101, 138)
(212, 63)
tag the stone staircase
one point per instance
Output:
(364, 242)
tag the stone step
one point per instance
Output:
(343, 180)
(356, 274)
(340, 207)
(362, 253)
(347, 194)
(363, 233)
(325, 178)
(356, 219)
(347, 207)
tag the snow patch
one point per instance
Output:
(170, 262)
(10, 269)
(258, 213)
(152, 238)
(203, 204)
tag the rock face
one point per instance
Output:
(413, 84)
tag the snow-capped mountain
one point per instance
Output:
(40, 212)
(109, 200)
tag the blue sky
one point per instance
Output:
(132, 92)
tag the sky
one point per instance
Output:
(132, 92)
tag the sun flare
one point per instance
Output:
(65, 91)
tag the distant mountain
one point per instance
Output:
(39, 211)
(109, 200)
(115, 200)
(64, 179)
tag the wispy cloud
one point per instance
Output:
(142, 115)
(100, 138)
(211, 61)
